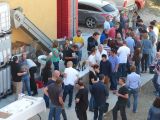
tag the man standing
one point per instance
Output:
(92, 42)
(17, 76)
(112, 32)
(122, 100)
(105, 68)
(113, 58)
(130, 43)
(55, 92)
(153, 38)
(123, 53)
(71, 55)
(70, 78)
(107, 23)
(92, 58)
(79, 41)
(133, 83)
(100, 94)
(81, 101)
(32, 70)
(26, 77)
(54, 77)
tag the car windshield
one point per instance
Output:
(108, 8)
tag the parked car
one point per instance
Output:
(93, 12)
(123, 4)
(140, 3)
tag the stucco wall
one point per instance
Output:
(43, 13)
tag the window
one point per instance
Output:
(108, 8)
(87, 7)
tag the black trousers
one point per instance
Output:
(81, 114)
(144, 62)
(122, 109)
(33, 85)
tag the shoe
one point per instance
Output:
(34, 94)
(142, 71)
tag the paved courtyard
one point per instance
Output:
(145, 78)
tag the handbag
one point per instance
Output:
(104, 107)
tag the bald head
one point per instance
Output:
(56, 74)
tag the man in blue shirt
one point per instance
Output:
(100, 94)
(113, 58)
(130, 43)
(133, 83)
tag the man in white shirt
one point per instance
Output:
(123, 53)
(92, 58)
(32, 71)
(107, 24)
(100, 52)
(70, 78)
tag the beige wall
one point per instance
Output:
(43, 13)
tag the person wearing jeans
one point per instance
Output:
(55, 93)
(123, 54)
(70, 78)
(146, 51)
(135, 93)
(68, 89)
(25, 78)
(100, 94)
(55, 111)
(154, 80)
(113, 58)
(26, 83)
(79, 41)
(133, 83)
(144, 62)
(55, 55)
(122, 100)
(93, 78)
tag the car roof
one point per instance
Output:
(99, 3)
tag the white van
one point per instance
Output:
(123, 4)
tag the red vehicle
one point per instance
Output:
(140, 3)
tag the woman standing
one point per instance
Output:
(93, 78)
(55, 55)
(154, 111)
(81, 101)
(146, 49)
(137, 59)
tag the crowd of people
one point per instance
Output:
(124, 53)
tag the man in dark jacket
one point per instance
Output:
(92, 42)
(17, 76)
(105, 68)
(100, 94)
